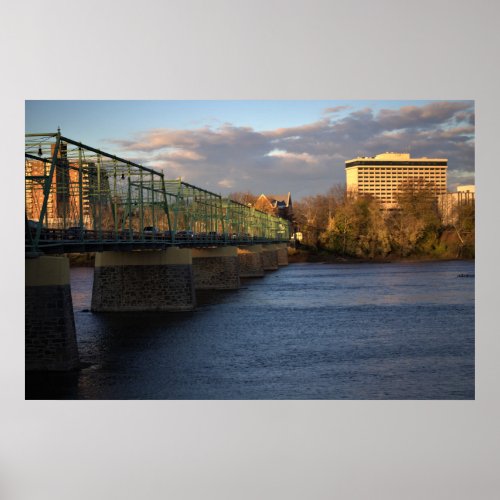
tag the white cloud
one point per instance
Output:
(226, 184)
(281, 153)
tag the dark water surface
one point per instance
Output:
(306, 331)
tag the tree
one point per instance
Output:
(415, 226)
(374, 237)
(312, 214)
(342, 231)
(244, 197)
(465, 228)
(357, 227)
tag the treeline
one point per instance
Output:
(351, 226)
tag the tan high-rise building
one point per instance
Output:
(383, 175)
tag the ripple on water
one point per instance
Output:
(306, 331)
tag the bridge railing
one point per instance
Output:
(77, 194)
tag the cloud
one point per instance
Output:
(335, 109)
(180, 154)
(309, 158)
(420, 116)
(225, 183)
(305, 157)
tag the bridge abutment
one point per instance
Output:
(148, 280)
(216, 268)
(250, 261)
(50, 337)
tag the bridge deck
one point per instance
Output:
(56, 241)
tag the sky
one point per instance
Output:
(265, 146)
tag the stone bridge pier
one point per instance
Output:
(50, 337)
(269, 257)
(250, 261)
(146, 280)
(216, 268)
(142, 280)
(282, 251)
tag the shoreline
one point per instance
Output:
(306, 256)
(298, 256)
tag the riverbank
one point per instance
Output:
(301, 255)
(298, 255)
(448, 246)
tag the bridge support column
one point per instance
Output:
(216, 268)
(149, 280)
(282, 249)
(250, 261)
(50, 338)
(269, 258)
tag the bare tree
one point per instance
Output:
(465, 228)
(244, 197)
(415, 225)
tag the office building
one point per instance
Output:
(449, 204)
(384, 175)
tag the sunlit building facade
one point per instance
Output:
(384, 175)
(450, 203)
(66, 198)
(276, 204)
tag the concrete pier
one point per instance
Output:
(216, 268)
(250, 261)
(148, 280)
(50, 338)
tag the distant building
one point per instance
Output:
(384, 175)
(276, 204)
(449, 203)
(469, 188)
(63, 203)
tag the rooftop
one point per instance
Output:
(394, 157)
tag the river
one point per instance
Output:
(306, 331)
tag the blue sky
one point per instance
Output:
(264, 146)
(120, 119)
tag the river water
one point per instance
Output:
(306, 331)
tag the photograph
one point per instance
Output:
(260, 250)
(250, 249)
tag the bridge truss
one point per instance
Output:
(78, 198)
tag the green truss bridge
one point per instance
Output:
(81, 199)
(155, 242)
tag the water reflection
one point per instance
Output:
(307, 331)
